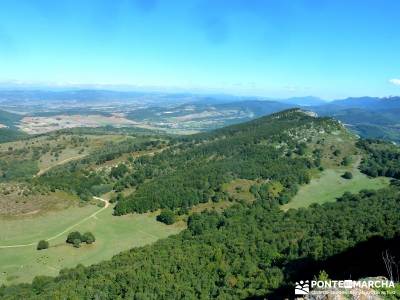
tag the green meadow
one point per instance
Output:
(330, 185)
(113, 235)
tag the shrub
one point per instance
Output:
(346, 161)
(72, 236)
(42, 245)
(76, 243)
(88, 238)
(337, 152)
(347, 175)
(166, 216)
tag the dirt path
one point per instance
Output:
(60, 163)
(106, 205)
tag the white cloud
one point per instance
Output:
(395, 81)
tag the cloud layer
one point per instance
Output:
(395, 81)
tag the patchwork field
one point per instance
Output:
(36, 125)
(113, 235)
(330, 185)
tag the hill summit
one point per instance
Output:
(275, 148)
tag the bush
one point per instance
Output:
(347, 175)
(88, 238)
(346, 161)
(42, 245)
(183, 211)
(76, 243)
(166, 216)
(76, 238)
(72, 236)
(337, 152)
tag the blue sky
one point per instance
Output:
(331, 49)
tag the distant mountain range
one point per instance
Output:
(365, 103)
(304, 101)
(371, 117)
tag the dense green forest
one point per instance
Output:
(249, 250)
(381, 159)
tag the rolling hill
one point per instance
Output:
(252, 247)
(8, 129)
(370, 117)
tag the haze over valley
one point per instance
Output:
(36, 112)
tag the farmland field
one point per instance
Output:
(113, 235)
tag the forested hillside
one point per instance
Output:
(249, 250)
(8, 130)
(270, 149)
(381, 159)
(9, 119)
(277, 152)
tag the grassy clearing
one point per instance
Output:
(218, 206)
(15, 204)
(55, 149)
(329, 142)
(113, 235)
(330, 185)
(238, 189)
(31, 228)
(47, 161)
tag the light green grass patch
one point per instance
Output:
(211, 206)
(330, 185)
(239, 189)
(113, 235)
(32, 228)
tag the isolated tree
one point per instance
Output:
(88, 238)
(74, 235)
(337, 152)
(42, 245)
(346, 161)
(347, 175)
(166, 216)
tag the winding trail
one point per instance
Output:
(107, 204)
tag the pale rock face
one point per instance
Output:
(310, 113)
